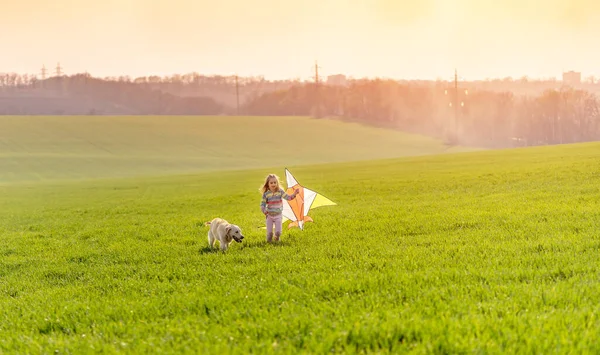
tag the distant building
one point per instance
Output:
(571, 78)
(338, 79)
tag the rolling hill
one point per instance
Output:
(41, 148)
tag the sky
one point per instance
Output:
(279, 39)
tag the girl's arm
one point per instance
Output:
(290, 197)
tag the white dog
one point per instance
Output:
(223, 232)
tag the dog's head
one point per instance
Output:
(235, 232)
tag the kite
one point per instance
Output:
(296, 210)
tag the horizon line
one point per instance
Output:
(53, 74)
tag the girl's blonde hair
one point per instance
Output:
(265, 186)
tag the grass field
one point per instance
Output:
(479, 252)
(67, 148)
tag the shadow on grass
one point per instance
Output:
(264, 244)
(245, 245)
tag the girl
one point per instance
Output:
(272, 204)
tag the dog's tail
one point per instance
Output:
(207, 224)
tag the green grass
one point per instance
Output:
(54, 148)
(484, 252)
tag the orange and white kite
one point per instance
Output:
(296, 210)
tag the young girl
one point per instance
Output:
(272, 204)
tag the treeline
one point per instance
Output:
(83, 94)
(467, 116)
(225, 90)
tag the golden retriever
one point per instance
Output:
(223, 232)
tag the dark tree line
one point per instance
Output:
(482, 117)
(221, 89)
(83, 94)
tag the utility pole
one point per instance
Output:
(455, 103)
(43, 83)
(317, 96)
(59, 83)
(237, 94)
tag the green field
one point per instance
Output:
(475, 252)
(67, 148)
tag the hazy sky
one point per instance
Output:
(283, 38)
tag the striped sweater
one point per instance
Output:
(272, 202)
